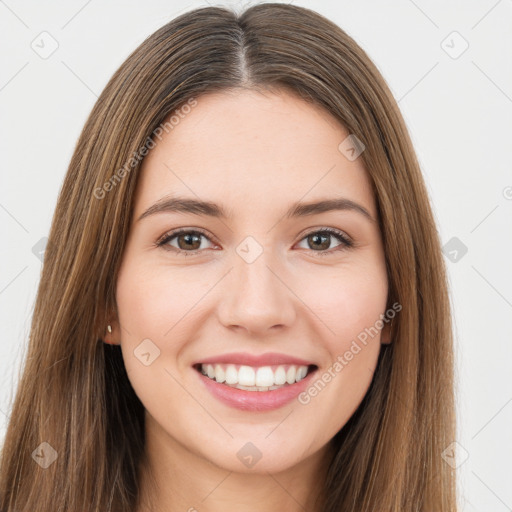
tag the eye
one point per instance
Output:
(189, 241)
(186, 239)
(322, 240)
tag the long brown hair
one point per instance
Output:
(74, 393)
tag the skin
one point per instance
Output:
(255, 154)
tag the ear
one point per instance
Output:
(114, 337)
(385, 334)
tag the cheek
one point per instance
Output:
(346, 302)
(349, 306)
(156, 309)
(152, 309)
(152, 301)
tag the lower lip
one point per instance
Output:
(255, 400)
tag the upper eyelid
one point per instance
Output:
(173, 233)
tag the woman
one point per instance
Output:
(243, 303)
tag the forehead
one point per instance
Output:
(252, 151)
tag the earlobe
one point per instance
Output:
(111, 334)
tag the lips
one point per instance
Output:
(255, 382)
(259, 400)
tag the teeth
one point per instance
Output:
(231, 375)
(263, 378)
(290, 375)
(280, 376)
(220, 374)
(246, 376)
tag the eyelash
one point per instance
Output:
(346, 243)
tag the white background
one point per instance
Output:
(459, 113)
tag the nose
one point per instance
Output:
(256, 296)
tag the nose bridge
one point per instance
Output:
(255, 296)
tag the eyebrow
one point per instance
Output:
(210, 209)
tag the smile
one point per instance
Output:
(249, 378)
(255, 388)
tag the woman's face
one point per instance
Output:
(258, 282)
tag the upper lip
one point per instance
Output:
(244, 358)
